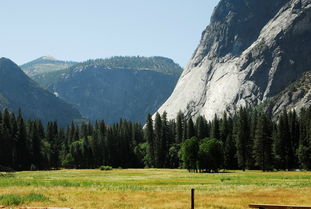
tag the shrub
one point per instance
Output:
(68, 162)
(105, 168)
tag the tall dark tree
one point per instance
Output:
(262, 150)
(36, 146)
(201, 127)
(242, 138)
(189, 154)
(230, 160)
(210, 156)
(149, 135)
(158, 133)
(282, 143)
(22, 149)
(6, 140)
(304, 148)
(215, 128)
(190, 129)
(179, 127)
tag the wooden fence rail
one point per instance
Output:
(268, 206)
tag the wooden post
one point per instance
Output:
(192, 198)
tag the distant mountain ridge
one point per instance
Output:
(45, 64)
(18, 91)
(117, 87)
(156, 63)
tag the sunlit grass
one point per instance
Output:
(158, 188)
(14, 199)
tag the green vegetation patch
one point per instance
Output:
(14, 199)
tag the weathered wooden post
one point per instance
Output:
(192, 198)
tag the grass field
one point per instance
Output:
(152, 188)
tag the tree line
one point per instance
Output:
(248, 139)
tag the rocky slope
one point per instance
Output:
(19, 91)
(119, 87)
(294, 97)
(251, 51)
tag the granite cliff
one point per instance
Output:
(251, 51)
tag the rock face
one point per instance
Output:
(294, 97)
(19, 91)
(251, 51)
(119, 87)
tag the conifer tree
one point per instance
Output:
(158, 139)
(6, 140)
(36, 146)
(201, 127)
(282, 143)
(190, 129)
(215, 129)
(262, 150)
(22, 149)
(230, 160)
(242, 138)
(179, 127)
(149, 135)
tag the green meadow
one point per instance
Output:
(153, 188)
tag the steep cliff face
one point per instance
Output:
(251, 51)
(294, 97)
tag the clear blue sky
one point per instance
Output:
(86, 29)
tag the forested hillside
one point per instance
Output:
(117, 87)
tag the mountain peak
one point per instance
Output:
(47, 58)
(45, 64)
(5, 60)
(7, 65)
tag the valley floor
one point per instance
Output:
(154, 188)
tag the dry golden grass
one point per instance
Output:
(152, 188)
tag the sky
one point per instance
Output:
(79, 30)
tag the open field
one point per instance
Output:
(152, 188)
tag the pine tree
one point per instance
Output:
(190, 129)
(165, 142)
(262, 151)
(22, 149)
(55, 143)
(294, 138)
(36, 146)
(215, 129)
(224, 128)
(242, 138)
(158, 139)
(304, 148)
(201, 127)
(149, 135)
(230, 161)
(179, 127)
(282, 143)
(6, 140)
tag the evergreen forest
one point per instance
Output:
(248, 139)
